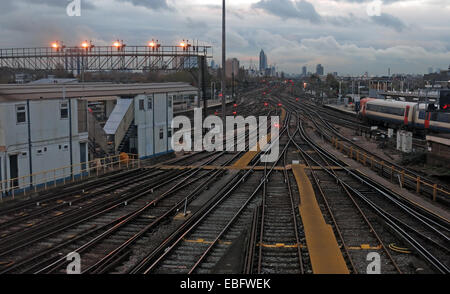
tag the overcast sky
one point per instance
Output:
(409, 36)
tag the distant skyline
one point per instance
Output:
(408, 36)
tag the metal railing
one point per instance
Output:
(45, 180)
(96, 58)
(396, 175)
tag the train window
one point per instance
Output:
(444, 117)
(21, 115)
(434, 116)
(422, 115)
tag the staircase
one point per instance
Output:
(119, 125)
(98, 139)
(131, 132)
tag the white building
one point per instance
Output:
(47, 133)
(153, 118)
(41, 132)
(141, 125)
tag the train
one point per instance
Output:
(409, 115)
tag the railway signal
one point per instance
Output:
(87, 45)
(185, 45)
(154, 45)
(444, 99)
(58, 46)
(119, 45)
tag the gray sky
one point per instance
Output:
(409, 36)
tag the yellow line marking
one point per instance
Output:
(203, 241)
(280, 245)
(364, 247)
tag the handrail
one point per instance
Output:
(66, 174)
(363, 157)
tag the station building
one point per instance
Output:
(50, 127)
(41, 135)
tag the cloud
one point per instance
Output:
(345, 57)
(367, 1)
(345, 40)
(288, 9)
(85, 4)
(152, 4)
(389, 20)
(196, 24)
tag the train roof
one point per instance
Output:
(391, 103)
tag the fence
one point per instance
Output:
(52, 178)
(405, 180)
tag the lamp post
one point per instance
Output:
(223, 63)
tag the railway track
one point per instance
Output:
(101, 226)
(423, 233)
(328, 132)
(203, 221)
(94, 223)
(201, 244)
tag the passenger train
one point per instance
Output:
(404, 114)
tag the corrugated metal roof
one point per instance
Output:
(117, 116)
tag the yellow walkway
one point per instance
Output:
(324, 252)
(248, 157)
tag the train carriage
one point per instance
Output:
(404, 114)
(434, 121)
(391, 113)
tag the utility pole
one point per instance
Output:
(232, 85)
(203, 85)
(200, 82)
(223, 63)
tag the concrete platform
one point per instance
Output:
(342, 108)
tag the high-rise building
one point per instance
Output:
(262, 61)
(319, 70)
(430, 70)
(304, 69)
(232, 67)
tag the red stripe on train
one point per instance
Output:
(406, 114)
(427, 120)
